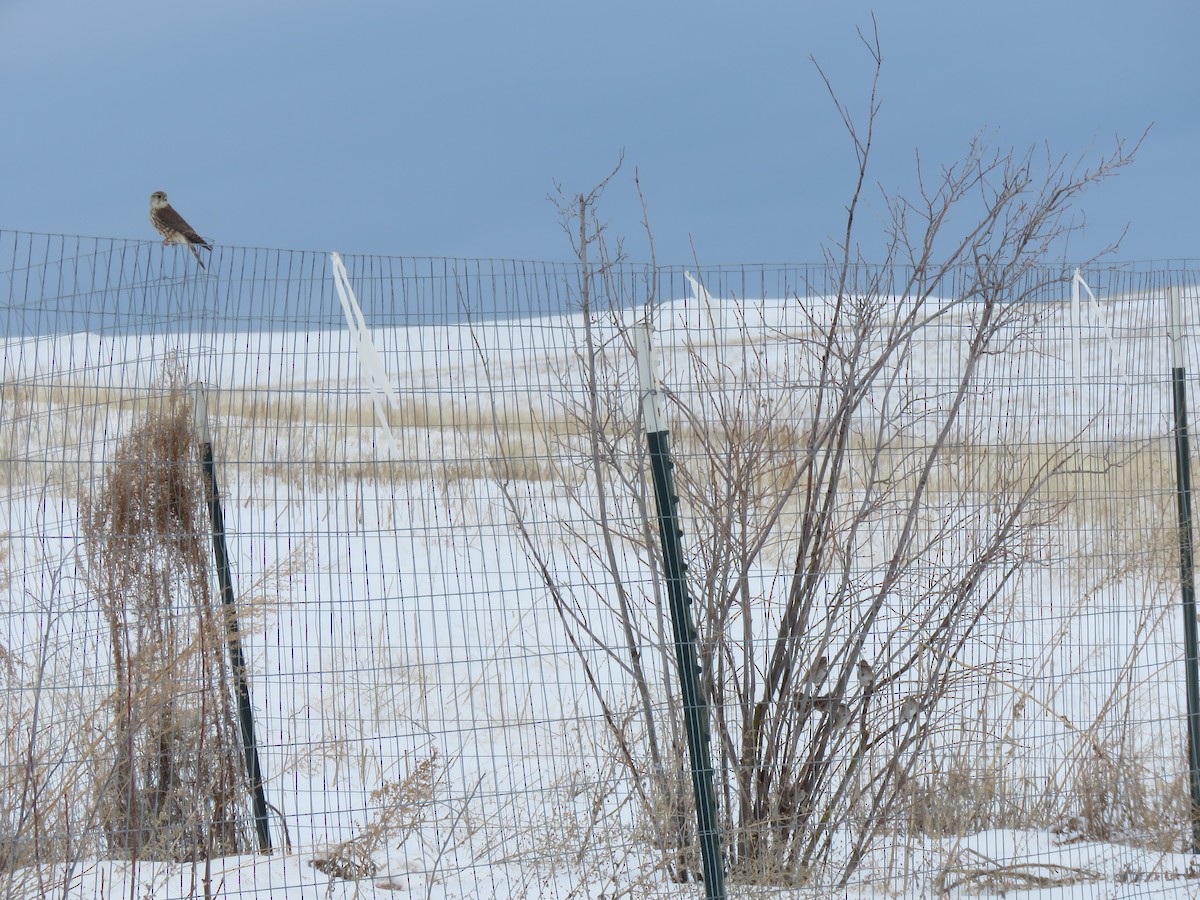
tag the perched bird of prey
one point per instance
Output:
(866, 678)
(172, 227)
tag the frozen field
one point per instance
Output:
(396, 621)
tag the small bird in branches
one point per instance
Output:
(837, 711)
(909, 709)
(866, 677)
(172, 226)
(817, 674)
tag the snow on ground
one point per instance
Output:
(407, 619)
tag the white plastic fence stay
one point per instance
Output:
(1076, 325)
(1077, 282)
(369, 360)
(705, 307)
(643, 334)
(698, 290)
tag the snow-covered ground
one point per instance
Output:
(398, 616)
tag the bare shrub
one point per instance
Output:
(858, 531)
(174, 786)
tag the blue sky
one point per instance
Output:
(439, 128)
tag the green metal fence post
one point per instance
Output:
(224, 577)
(1183, 495)
(695, 710)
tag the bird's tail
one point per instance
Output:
(196, 253)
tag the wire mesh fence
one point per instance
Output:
(939, 627)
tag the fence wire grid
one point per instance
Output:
(940, 632)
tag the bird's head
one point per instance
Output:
(158, 199)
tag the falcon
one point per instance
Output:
(172, 226)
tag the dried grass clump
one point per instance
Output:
(170, 767)
(965, 789)
(400, 808)
(1123, 795)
